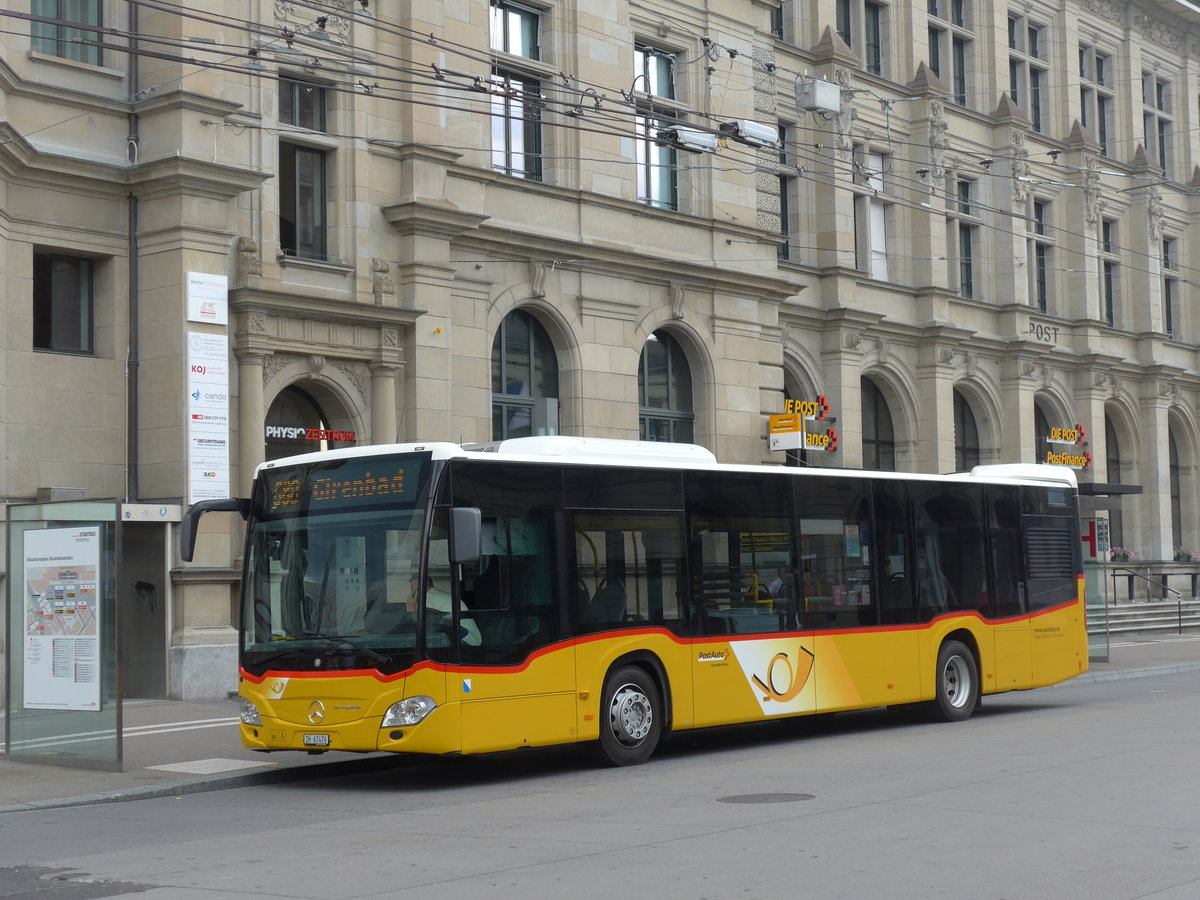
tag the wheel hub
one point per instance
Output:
(631, 715)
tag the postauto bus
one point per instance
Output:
(441, 599)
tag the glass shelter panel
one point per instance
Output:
(63, 695)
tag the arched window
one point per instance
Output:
(966, 435)
(1112, 470)
(297, 424)
(1176, 492)
(878, 436)
(524, 379)
(1041, 432)
(665, 391)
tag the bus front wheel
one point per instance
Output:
(956, 683)
(631, 717)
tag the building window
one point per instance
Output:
(1027, 69)
(860, 23)
(966, 435)
(1109, 271)
(1096, 96)
(1175, 475)
(296, 423)
(303, 172)
(1041, 432)
(878, 436)
(1041, 252)
(787, 189)
(778, 16)
(665, 391)
(1170, 287)
(1156, 118)
(517, 125)
(63, 303)
(66, 40)
(872, 213)
(962, 237)
(517, 101)
(950, 46)
(524, 379)
(655, 161)
(515, 30)
(1114, 475)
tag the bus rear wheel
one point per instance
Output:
(631, 717)
(956, 683)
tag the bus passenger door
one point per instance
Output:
(510, 668)
(1009, 607)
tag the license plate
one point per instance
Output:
(316, 740)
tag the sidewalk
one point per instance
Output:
(173, 748)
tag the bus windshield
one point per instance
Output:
(333, 552)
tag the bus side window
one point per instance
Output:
(1008, 573)
(835, 547)
(627, 570)
(510, 594)
(740, 544)
(951, 560)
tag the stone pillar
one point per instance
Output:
(252, 416)
(1158, 393)
(1020, 375)
(383, 402)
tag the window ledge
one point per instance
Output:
(318, 265)
(51, 59)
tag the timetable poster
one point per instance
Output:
(62, 618)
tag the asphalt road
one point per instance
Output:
(1082, 790)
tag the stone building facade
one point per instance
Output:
(468, 220)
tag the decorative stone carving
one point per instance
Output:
(357, 374)
(276, 364)
(845, 116)
(303, 17)
(382, 286)
(1020, 168)
(1154, 214)
(256, 323)
(315, 364)
(676, 292)
(249, 262)
(390, 339)
(851, 340)
(939, 142)
(1093, 203)
(537, 279)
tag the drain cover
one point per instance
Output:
(765, 798)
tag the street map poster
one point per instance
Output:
(62, 618)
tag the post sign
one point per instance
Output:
(1072, 437)
(786, 431)
(790, 430)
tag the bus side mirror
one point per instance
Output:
(466, 535)
(191, 521)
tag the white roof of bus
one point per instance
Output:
(650, 454)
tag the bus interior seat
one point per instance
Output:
(608, 603)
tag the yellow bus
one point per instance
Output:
(441, 599)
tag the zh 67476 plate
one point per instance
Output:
(316, 740)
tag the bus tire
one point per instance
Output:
(631, 714)
(956, 683)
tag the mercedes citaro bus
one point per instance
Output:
(444, 599)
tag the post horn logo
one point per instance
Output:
(784, 681)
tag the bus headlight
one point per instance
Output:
(249, 713)
(408, 711)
